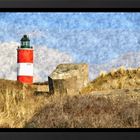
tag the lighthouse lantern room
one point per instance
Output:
(25, 61)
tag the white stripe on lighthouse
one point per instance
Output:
(25, 69)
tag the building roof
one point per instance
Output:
(25, 38)
(64, 71)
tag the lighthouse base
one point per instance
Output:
(25, 79)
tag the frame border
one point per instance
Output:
(69, 4)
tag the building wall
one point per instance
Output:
(68, 78)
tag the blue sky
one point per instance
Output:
(93, 38)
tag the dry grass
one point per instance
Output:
(116, 79)
(17, 104)
(113, 102)
(117, 109)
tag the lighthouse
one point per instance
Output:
(25, 61)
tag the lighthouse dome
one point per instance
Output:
(25, 42)
(25, 38)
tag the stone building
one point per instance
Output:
(68, 78)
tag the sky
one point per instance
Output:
(97, 39)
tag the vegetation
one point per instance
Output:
(110, 101)
(117, 109)
(116, 79)
(17, 103)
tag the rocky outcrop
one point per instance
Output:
(68, 78)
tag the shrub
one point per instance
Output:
(103, 74)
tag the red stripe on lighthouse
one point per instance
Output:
(25, 79)
(25, 56)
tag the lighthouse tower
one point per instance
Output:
(25, 61)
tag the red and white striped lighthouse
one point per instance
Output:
(25, 61)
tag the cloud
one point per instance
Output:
(45, 61)
(129, 60)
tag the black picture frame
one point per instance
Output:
(69, 6)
